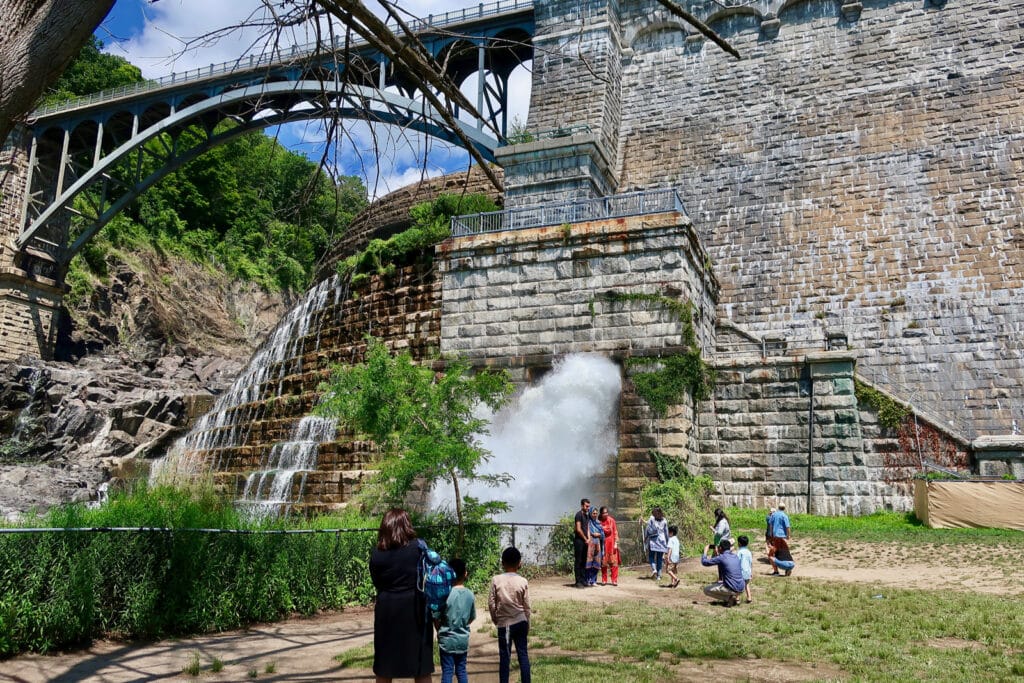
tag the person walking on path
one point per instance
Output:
(672, 559)
(453, 626)
(509, 604)
(611, 559)
(580, 540)
(730, 576)
(768, 522)
(403, 636)
(656, 539)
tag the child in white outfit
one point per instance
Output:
(673, 555)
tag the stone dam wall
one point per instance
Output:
(859, 172)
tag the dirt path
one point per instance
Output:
(303, 649)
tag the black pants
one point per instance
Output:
(516, 634)
(579, 567)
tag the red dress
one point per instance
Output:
(611, 553)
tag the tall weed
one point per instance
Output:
(64, 587)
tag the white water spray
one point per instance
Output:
(554, 439)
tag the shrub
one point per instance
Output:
(686, 501)
(63, 588)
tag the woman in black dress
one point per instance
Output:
(403, 637)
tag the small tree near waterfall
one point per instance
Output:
(426, 423)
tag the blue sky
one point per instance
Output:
(175, 35)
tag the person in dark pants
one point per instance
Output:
(509, 604)
(403, 636)
(580, 539)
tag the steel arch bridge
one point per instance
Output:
(93, 156)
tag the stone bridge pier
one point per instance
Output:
(30, 296)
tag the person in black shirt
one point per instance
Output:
(580, 538)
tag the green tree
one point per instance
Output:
(425, 423)
(90, 72)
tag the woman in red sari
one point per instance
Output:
(611, 547)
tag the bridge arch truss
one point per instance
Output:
(93, 160)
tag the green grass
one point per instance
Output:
(193, 668)
(567, 668)
(903, 527)
(845, 627)
(357, 658)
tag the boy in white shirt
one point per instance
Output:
(673, 555)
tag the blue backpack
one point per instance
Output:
(435, 579)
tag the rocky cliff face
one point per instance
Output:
(141, 357)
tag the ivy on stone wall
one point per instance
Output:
(430, 226)
(891, 413)
(670, 378)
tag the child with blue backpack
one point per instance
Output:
(452, 623)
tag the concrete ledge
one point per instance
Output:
(1010, 446)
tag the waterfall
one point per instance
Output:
(26, 420)
(555, 438)
(27, 432)
(269, 490)
(227, 424)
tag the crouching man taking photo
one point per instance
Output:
(730, 582)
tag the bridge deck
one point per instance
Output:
(281, 58)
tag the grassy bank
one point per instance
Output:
(881, 526)
(847, 630)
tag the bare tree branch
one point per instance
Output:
(700, 26)
(355, 14)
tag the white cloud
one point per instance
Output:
(385, 157)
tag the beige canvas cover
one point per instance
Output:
(949, 504)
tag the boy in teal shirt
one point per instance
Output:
(453, 626)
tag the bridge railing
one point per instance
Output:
(279, 57)
(615, 206)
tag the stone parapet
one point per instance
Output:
(555, 170)
(565, 289)
(1000, 456)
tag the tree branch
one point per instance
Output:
(700, 26)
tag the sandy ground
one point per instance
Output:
(303, 649)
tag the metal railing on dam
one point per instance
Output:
(283, 56)
(600, 208)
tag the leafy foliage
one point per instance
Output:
(249, 206)
(666, 380)
(63, 588)
(430, 226)
(90, 72)
(686, 501)
(891, 413)
(425, 423)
